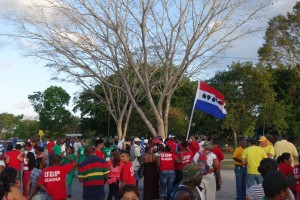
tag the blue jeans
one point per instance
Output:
(166, 179)
(251, 178)
(240, 182)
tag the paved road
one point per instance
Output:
(227, 191)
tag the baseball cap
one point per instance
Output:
(137, 139)
(262, 139)
(192, 170)
(171, 136)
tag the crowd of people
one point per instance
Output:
(170, 169)
(266, 171)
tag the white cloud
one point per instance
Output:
(4, 65)
(22, 105)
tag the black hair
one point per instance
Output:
(184, 144)
(167, 148)
(267, 165)
(31, 160)
(252, 141)
(10, 147)
(7, 179)
(107, 144)
(127, 188)
(40, 149)
(18, 146)
(147, 149)
(38, 161)
(274, 183)
(72, 148)
(100, 141)
(283, 157)
(126, 152)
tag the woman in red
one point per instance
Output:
(29, 163)
(285, 166)
(115, 167)
(166, 165)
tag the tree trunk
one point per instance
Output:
(235, 138)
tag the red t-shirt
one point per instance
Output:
(186, 159)
(114, 172)
(219, 153)
(172, 145)
(167, 161)
(297, 176)
(287, 170)
(193, 147)
(50, 145)
(13, 160)
(54, 179)
(127, 174)
(99, 154)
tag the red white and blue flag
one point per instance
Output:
(210, 101)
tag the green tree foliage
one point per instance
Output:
(27, 129)
(282, 43)
(51, 107)
(249, 96)
(8, 123)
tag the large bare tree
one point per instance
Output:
(93, 39)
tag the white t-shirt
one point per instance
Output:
(210, 158)
(200, 145)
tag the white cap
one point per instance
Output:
(137, 139)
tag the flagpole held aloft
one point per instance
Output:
(191, 118)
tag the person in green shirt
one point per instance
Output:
(71, 174)
(107, 149)
(57, 148)
(80, 152)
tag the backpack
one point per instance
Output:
(178, 188)
(202, 160)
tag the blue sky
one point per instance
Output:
(21, 76)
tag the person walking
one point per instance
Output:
(251, 158)
(93, 173)
(127, 173)
(283, 146)
(240, 171)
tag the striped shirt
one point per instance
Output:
(92, 171)
(256, 192)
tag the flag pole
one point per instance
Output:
(188, 132)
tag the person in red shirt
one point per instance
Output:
(219, 153)
(171, 143)
(285, 166)
(115, 167)
(14, 159)
(193, 146)
(127, 173)
(49, 147)
(166, 165)
(185, 157)
(98, 151)
(53, 178)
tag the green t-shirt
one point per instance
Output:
(57, 149)
(65, 161)
(107, 151)
(81, 154)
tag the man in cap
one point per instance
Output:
(171, 142)
(269, 149)
(211, 161)
(192, 177)
(137, 160)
